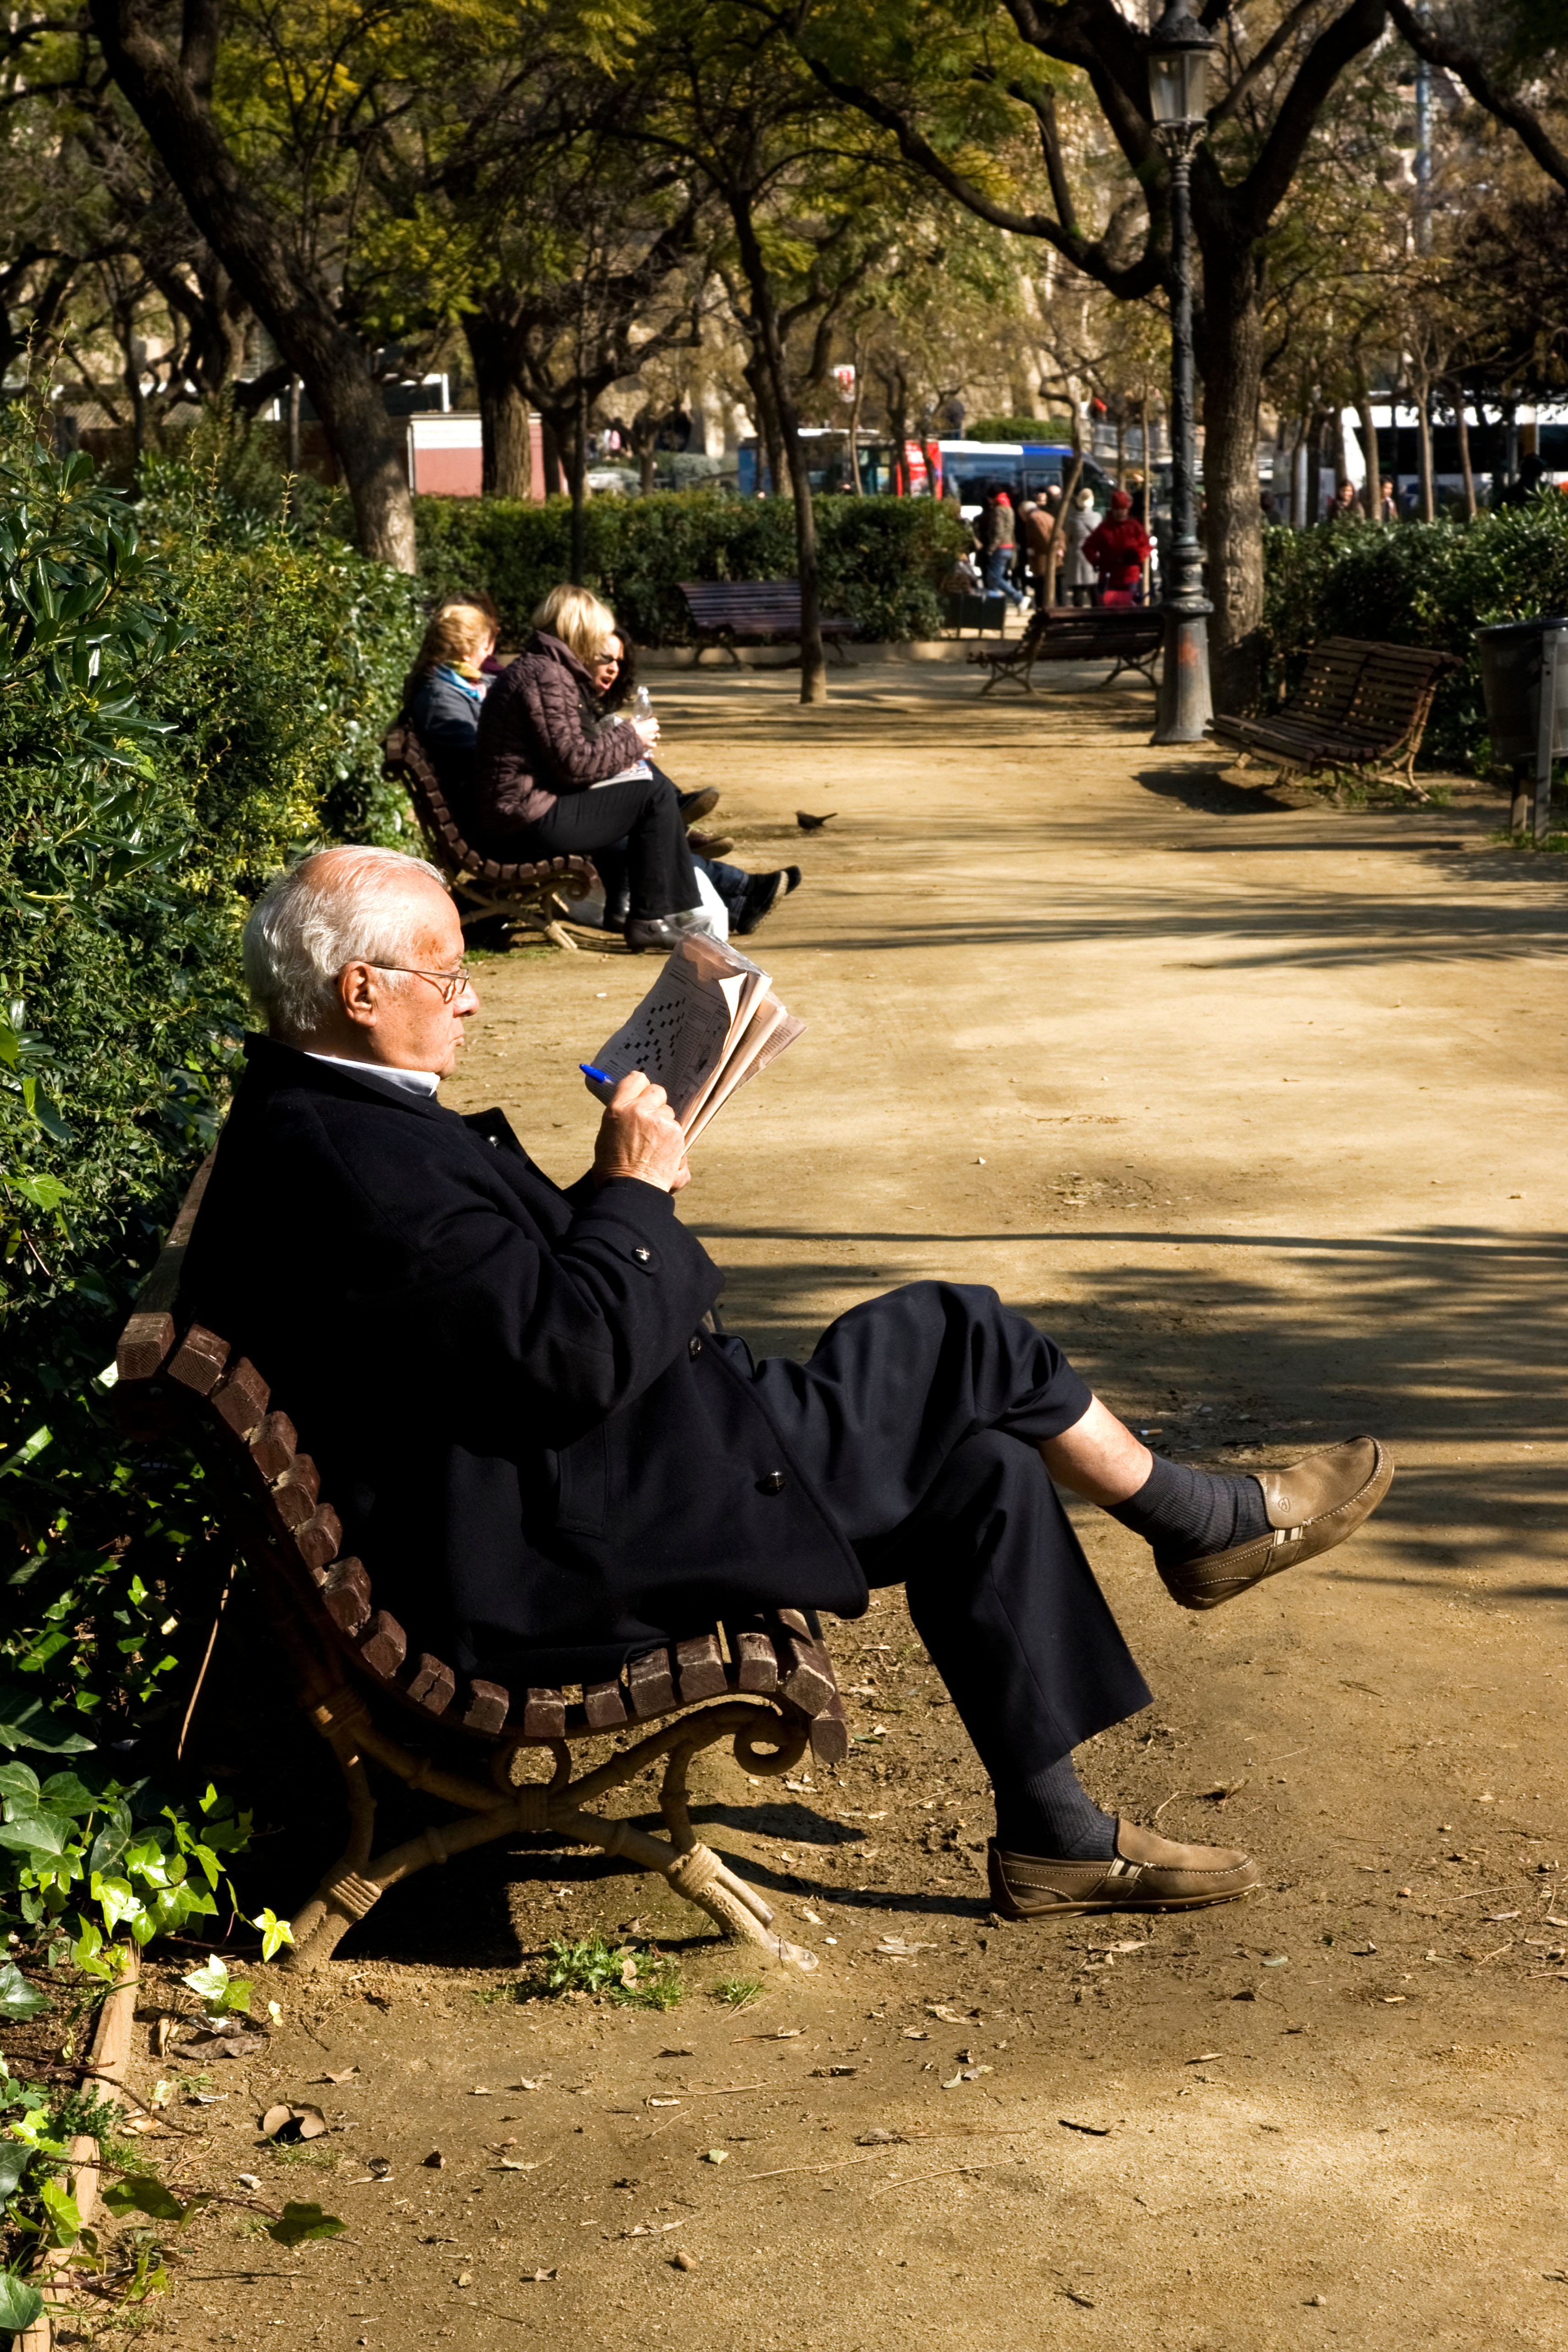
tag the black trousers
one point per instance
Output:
(659, 869)
(918, 1416)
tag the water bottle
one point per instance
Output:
(642, 703)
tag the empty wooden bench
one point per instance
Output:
(764, 1684)
(1361, 705)
(539, 894)
(1129, 636)
(723, 611)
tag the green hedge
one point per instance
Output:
(1433, 583)
(188, 694)
(881, 558)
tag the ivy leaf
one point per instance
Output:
(297, 2224)
(27, 1721)
(19, 1998)
(15, 2158)
(33, 1833)
(143, 2192)
(65, 2220)
(20, 2302)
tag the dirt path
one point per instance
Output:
(1259, 1106)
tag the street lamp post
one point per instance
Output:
(1178, 78)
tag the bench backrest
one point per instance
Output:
(1326, 693)
(1394, 691)
(1114, 626)
(407, 762)
(716, 603)
(186, 1379)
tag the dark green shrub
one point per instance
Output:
(1019, 428)
(881, 558)
(1417, 584)
(188, 692)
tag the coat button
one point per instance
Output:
(694, 1347)
(772, 1482)
(642, 1252)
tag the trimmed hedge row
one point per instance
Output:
(881, 558)
(1431, 583)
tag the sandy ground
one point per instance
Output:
(1256, 1103)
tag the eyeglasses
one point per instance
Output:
(452, 984)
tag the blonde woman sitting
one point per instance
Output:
(445, 691)
(542, 788)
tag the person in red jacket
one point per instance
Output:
(1119, 549)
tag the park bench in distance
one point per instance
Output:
(724, 610)
(765, 1684)
(1361, 705)
(1130, 635)
(537, 894)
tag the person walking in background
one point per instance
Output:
(1119, 549)
(1000, 542)
(1345, 505)
(1038, 524)
(1077, 571)
(1387, 504)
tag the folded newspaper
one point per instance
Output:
(708, 1022)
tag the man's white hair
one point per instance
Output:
(339, 906)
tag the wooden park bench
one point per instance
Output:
(1361, 705)
(725, 610)
(537, 894)
(1128, 635)
(764, 1684)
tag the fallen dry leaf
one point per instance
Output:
(292, 2123)
(531, 2278)
(1095, 2131)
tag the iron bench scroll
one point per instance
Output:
(537, 893)
(1361, 705)
(766, 1685)
(1129, 636)
(724, 610)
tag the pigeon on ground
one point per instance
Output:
(809, 823)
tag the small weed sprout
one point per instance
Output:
(615, 1972)
(738, 1992)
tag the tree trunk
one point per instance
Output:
(293, 425)
(1369, 449)
(856, 484)
(1230, 359)
(813, 668)
(579, 483)
(756, 374)
(1463, 424)
(291, 299)
(1423, 446)
(506, 464)
(550, 444)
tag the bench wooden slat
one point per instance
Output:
(432, 1685)
(274, 1446)
(487, 1706)
(383, 1644)
(240, 1400)
(831, 1732)
(345, 1595)
(651, 1684)
(198, 1361)
(544, 1714)
(699, 1669)
(321, 1538)
(756, 1661)
(604, 1708)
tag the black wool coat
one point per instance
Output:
(531, 1435)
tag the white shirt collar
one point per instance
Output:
(414, 1082)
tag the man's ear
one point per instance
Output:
(356, 993)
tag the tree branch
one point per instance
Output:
(1467, 67)
(1250, 208)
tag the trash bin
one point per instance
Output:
(1516, 655)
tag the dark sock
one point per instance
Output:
(1186, 1513)
(1050, 1815)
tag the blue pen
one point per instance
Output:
(602, 1077)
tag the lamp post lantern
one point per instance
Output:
(1178, 82)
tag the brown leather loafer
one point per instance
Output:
(1312, 1505)
(1145, 1873)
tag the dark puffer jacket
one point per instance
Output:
(537, 739)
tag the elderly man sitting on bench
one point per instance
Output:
(598, 1468)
